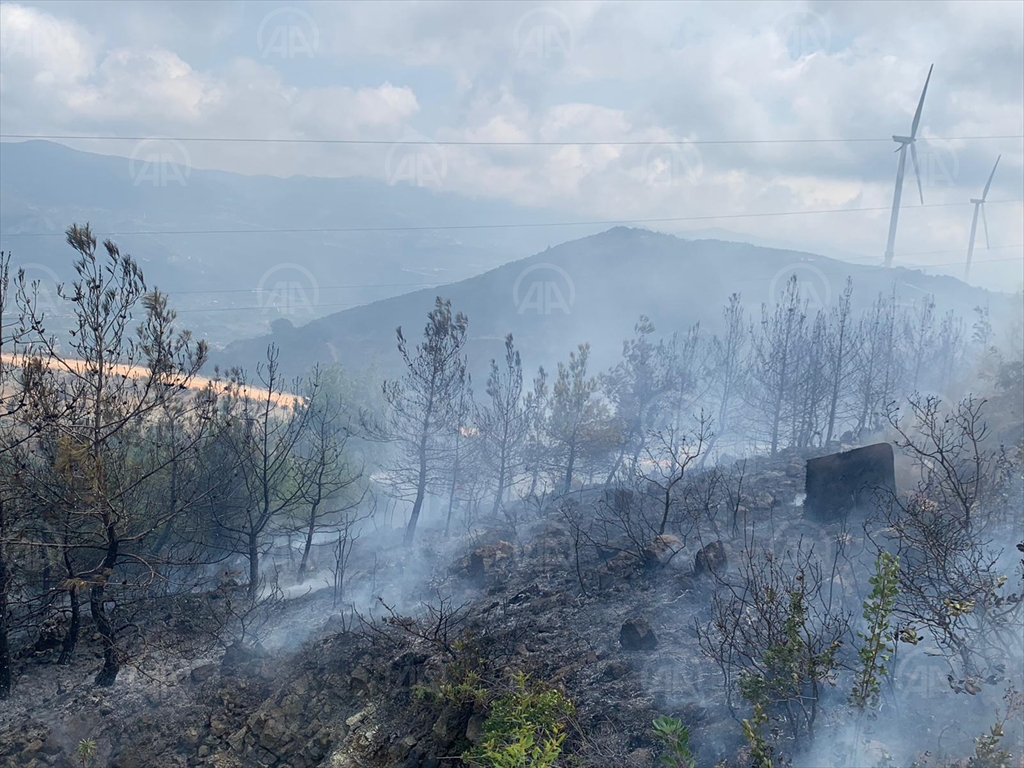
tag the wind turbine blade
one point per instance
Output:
(917, 172)
(920, 104)
(989, 182)
(985, 222)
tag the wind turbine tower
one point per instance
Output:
(979, 205)
(904, 142)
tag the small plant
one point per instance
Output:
(460, 683)
(753, 732)
(85, 751)
(675, 738)
(526, 728)
(989, 751)
(874, 654)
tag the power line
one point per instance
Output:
(515, 225)
(470, 143)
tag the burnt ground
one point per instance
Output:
(331, 687)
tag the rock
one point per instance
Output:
(838, 483)
(360, 678)
(623, 567)
(619, 499)
(237, 654)
(483, 560)
(710, 559)
(662, 549)
(616, 670)
(475, 729)
(637, 635)
(203, 673)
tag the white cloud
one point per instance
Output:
(625, 71)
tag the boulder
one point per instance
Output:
(840, 482)
(637, 635)
(662, 549)
(237, 654)
(710, 559)
(483, 560)
(203, 673)
(619, 499)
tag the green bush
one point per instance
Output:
(675, 738)
(526, 728)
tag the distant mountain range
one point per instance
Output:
(234, 281)
(594, 289)
(338, 295)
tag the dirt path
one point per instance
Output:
(283, 399)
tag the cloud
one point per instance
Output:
(564, 71)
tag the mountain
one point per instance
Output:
(208, 244)
(594, 289)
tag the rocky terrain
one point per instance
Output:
(618, 639)
(403, 676)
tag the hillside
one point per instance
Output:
(217, 277)
(594, 289)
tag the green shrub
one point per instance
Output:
(675, 738)
(526, 728)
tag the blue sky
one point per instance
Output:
(567, 72)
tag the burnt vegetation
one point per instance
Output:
(578, 568)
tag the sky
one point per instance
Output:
(713, 112)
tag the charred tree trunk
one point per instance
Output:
(67, 648)
(5, 647)
(421, 485)
(111, 662)
(254, 564)
(310, 529)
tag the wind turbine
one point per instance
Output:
(979, 205)
(904, 142)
